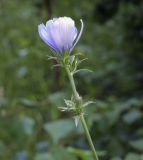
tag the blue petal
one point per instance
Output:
(45, 36)
(68, 32)
(52, 29)
(63, 32)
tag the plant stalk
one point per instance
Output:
(82, 119)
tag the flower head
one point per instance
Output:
(60, 34)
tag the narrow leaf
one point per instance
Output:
(76, 120)
(51, 57)
(80, 61)
(88, 103)
(69, 103)
(56, 65)
(85, 70)
(63, 109)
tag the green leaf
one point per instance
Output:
(52, 58)
(116, 158)
(132, 116)
(60, 129)
(141, 158)
(138, 144)
(28, 125)
(28, 102)
(83, 70)
(69, 103)
(88, 103)
(82, 154)
(63, 109)
(56, 65)
(60, 153)
(85, 154)
(72, 59)
(83, 60)
(44, 156)
(56, 98)
(80, 61)
(132, 156)
(76, 120)
(2, 148)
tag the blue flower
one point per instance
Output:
(60, 34)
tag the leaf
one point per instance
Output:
(63, 109)
(44, 156)
(138, 144)
(132, 156)
(51, 57)
(21, 155)
(28, 102)
(85, 154)
(72, 59)
(2, 148)
(3, 101)
(56, 65)
(60, 153)
(132, 116)
(69, 103)
(28, 125)
(73, 65)
(83, 70)
(80, 61)
(57, 98)
(79, 54)
(116, 158)
(60, 129)
(88, 103)
(76, 120)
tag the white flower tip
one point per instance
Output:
(82, 25)
(79, 35)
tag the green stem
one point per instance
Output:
(72, 83)
(82, 119)
(88, 136)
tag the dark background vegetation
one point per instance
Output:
(31, 125)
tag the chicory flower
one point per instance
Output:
(60, 34)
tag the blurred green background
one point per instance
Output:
(31, 125)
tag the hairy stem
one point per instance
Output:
(82, 119)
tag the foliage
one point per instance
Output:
(31, 125)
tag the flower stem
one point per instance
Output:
(82, 119)
(88, 136)
(72, 83)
